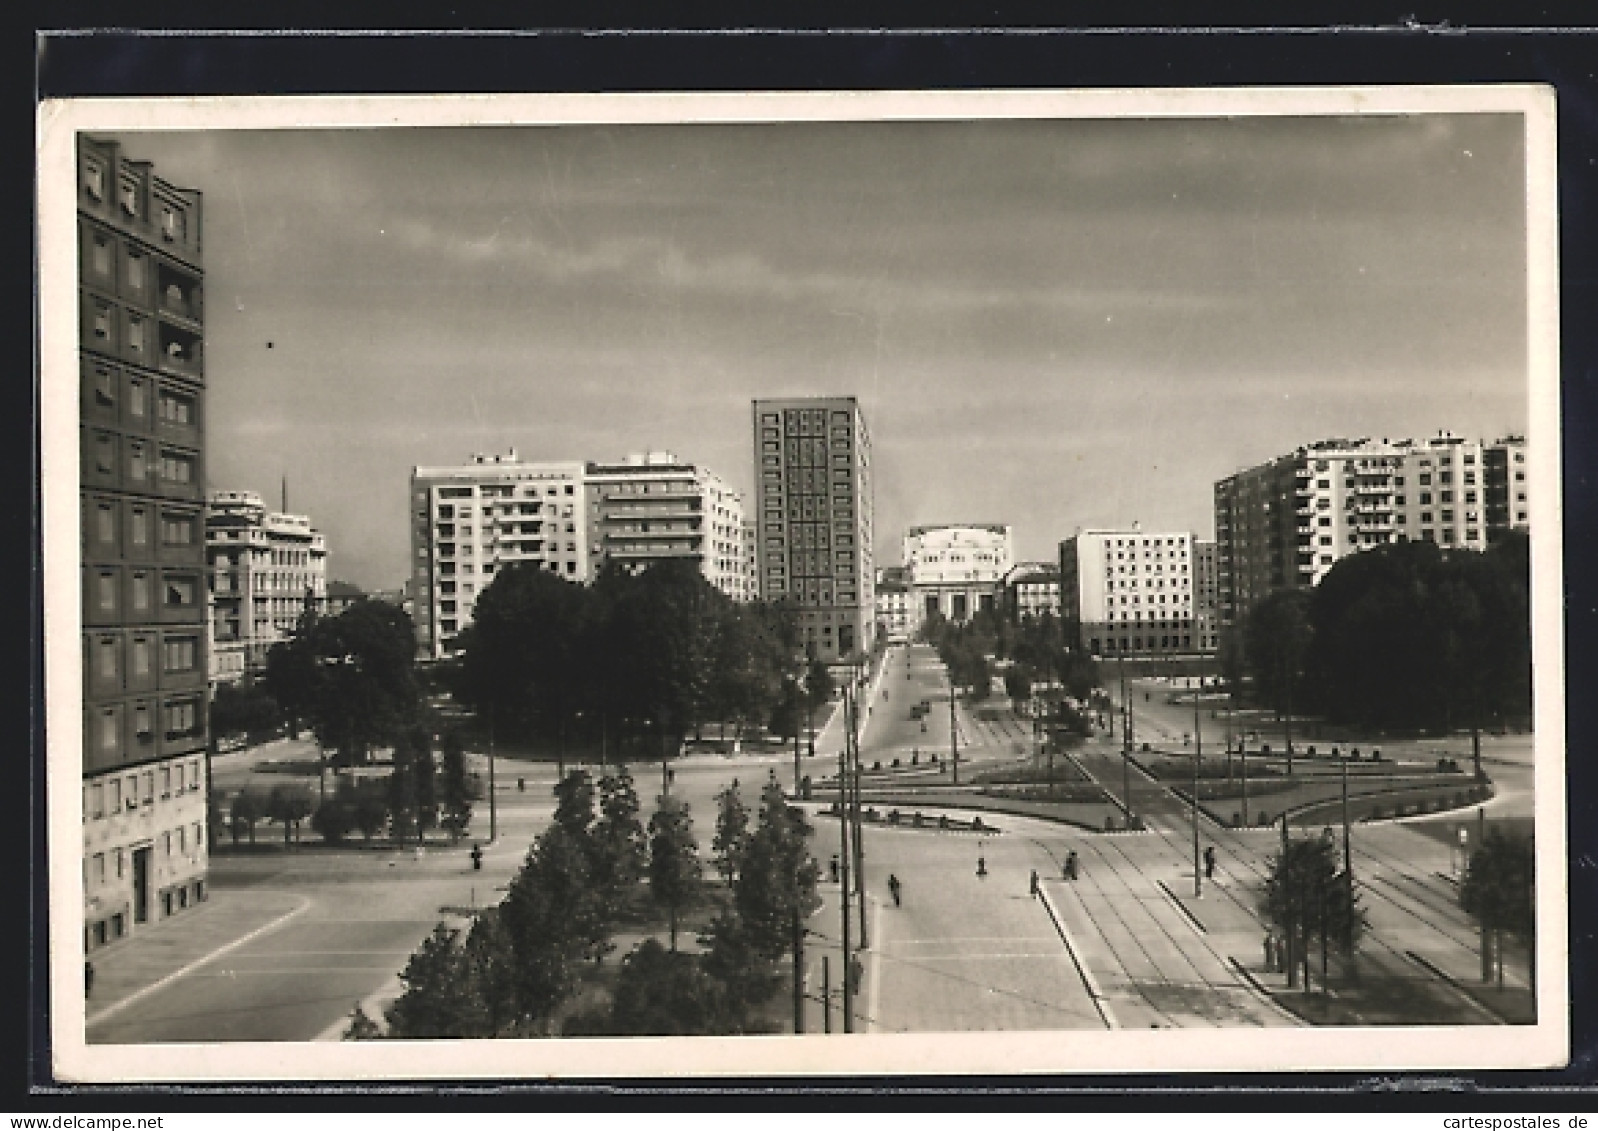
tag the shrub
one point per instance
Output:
(1265, 750)
(943, 820)
(1376, 755)
(915, 759)
(896, 763)
(1109, 822)
(876, 765)
(1264, 818)
(915, 820)
(1354, 753)
(893, 816)
(1237, 819)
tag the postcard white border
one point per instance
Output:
(1368, 1049)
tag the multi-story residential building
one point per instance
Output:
(267, 570)
(898, 616)
(469, 520)
(751, 536)
(1032, 589)
(815, 507)
(142, 413)
(1130, 592)
(652, 505)
(1285, 523)
(957, 569)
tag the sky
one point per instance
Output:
(1055, 324)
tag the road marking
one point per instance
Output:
(139, 995)
(1095, 991)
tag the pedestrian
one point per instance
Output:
(982, 865)
(893, 888)
(1209, 862)
(1281, 953)
(1070, 865)
(1034, 883)
(1270, 951)
(88, 979)
(832, 866)
(857, 971)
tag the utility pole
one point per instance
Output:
(1286, 875)
(1348, 865)
(859, 842)
(954, 735)
(843, 854)
(798, 965)
(1198, 756)
(826, 995)
(1486, 939)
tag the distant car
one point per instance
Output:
(230, 743)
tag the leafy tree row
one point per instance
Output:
(1403, 636)
(650, 657)
(518, 970)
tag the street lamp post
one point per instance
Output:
(1348, 866)
(843, 854)
(954, 734)
(1198, 756)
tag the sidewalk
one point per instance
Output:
(128, 970)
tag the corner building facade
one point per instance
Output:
(1130, 593)
(812, 458)
(141, 492)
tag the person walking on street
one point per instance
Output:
(1209, 862)
(1034, 886)
(832, 866)
(893, 888)
(1070, 865)
(1270, 951)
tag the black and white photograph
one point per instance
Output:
(633, 585)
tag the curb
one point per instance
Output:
(1095, 992)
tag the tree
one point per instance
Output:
(401, 798)
(362, 1027)
(574, 805)
(249, 806)
(352, 676)
(674, 869)
(455, 787)
(369, 804)
(289, 805)
(733, 959)
(617, 844)
(244, 708)
(525, 657)
(1499, 891)
(1306, 897)
(552, 920)
(732, 831)
(663, 993)
(776, 877)
(334, 820)
(1018, 684)
(440, 997)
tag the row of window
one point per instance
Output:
(113, 329)
(126, 269)
(135, 529)
(135, 463)
(114, 594)
(140, 660)
(106, 797)
(134, 401)
(134, 197)
(141, 730)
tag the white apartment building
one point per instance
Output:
(955, 570)
(1130, 592)
(1285, 523)
(897, 614)
(469, 520)
(652, 505)
(267, 569)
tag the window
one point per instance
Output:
(171, 223)
(137, 469)
(96, 805)
(166, 783)
(142, 727)
(180, 592)
(113, 790)
(177, 467)
(141, 591)
(135, 333)
(128, 196)
(178, 654)
(175, 408)
(177, 529)
(147, 793)
(182, 718)
(105, 657)
(94, 180)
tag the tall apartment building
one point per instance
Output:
(957, 569)
(812, 458)
(1206, 595)
(267, 570)
(1130, 592)
(652, 505)
(1286, 522)
(469, 520)
(142, 412)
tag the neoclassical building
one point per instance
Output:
(957, 569)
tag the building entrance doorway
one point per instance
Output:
(141, 884)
